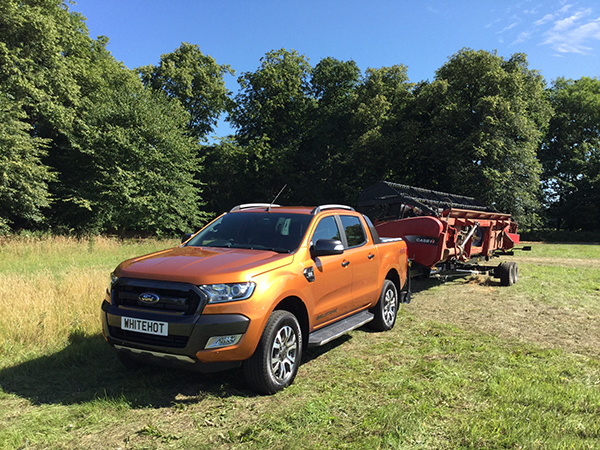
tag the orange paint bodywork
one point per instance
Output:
(343, 284)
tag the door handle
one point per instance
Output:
(345, 263)
(371, 256)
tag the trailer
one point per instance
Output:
(446, 234)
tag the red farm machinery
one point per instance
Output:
(446, 234)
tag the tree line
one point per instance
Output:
(88, 145)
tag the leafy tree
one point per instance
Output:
(196, 80)
(272, 111)
(234, 173)
(139, 175)
(479, 126)
(380, 148)
(268, 152)
(570, 154)
(273, 101)
(122, 154)
(44, 49)
(326, 151)
(23, 177)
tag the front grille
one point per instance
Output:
(179, 298)
(148, 339)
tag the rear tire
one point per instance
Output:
(386, 308)
(275, 362)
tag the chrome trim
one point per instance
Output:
(318, 209)
(253, 205)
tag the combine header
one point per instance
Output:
(446, 234)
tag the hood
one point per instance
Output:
(203, 266)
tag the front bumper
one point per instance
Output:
(188, 335)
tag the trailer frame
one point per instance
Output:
(447, 234)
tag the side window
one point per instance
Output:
(355, 233)
(326, 229)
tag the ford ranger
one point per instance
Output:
(254, 288)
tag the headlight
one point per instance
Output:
(113, 280)
(230, 292)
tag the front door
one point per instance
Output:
(332, 288)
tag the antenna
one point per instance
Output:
(276, 197)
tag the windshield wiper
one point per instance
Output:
(279, 249)
(262, 247)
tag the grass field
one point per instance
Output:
(469, 364)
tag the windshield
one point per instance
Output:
(278, 232)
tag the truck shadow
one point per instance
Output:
(88, 369)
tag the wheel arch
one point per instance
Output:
(297, 307)
(394, 277)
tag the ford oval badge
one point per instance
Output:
(149, 297)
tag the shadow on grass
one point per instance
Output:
(88, 369)
(423, 284)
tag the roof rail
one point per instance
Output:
(318, 209)
(254, 205)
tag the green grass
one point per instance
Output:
(425, 384)
(569, 251)
(59, 254)
(561, 286)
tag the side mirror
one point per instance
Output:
(326, 247)
(186, 236)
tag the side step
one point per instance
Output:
(335, 330)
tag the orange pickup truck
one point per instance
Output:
(255, 287)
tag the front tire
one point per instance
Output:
(386, 308)
(275, 362)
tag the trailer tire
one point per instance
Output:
(386, 308)
(508, 273)
(515, 272)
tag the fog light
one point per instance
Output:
(223, 341)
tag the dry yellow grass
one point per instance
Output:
(52, 287)
(43, 310)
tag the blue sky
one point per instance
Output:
(559, 37)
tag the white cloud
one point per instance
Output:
(570, 26)
(573, 34)
(564, 9)
(524, 36)
(543, 20)
(510, 27)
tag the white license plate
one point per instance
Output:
(145, 326)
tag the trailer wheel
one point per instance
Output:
(508, 273)
(386, 308)
(515, 272)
